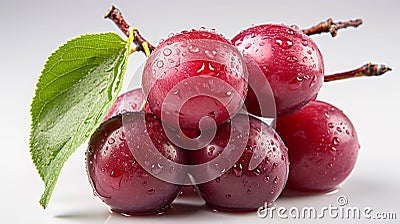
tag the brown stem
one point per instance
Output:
(329, 26)
(115, 15)
(365, 70)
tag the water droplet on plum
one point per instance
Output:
(193, 49)
(291, 59)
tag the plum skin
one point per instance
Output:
(171, 81)
(322, 144)
(115, 175)
(290, 61)
(130, 101)
(240, 189)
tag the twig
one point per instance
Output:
(329, 26)
(365, 70)
(141, 43)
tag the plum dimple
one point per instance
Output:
(290, 61)
(323, 146)
(242, 187)
(118, 178)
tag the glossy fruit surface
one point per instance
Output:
(322, 145)
(192, 75)
(117, 177)
(130, 101)
(244, 188)
(291, 62)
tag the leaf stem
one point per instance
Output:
(141, 43)
(329, 26)
(368, 69)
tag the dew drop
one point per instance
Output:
(285, 43)
(305, 59)
(291, 59)
(211, 114)
(339, 129)
(330, 125)
(211, 150)
(111, 141)
(274, 165)
(167, 52)
(347, 132)
(193, 49)
(238, 170)
(229, 93)
(117, 177)
(266, 178)
(304, 42)
(210, 54)
(326, 114)
(156, 168)
(160, 64)
(115, 173)
(247, 46)
(151, 191)
(257, 172)
(330, 164)
(276, 180)
(309, 52)
(176, 92)
(335, 141)
(314, 80)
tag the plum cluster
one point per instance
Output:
(196, 120)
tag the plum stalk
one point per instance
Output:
(331, 27)
(141, 44)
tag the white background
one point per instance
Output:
(31, 30)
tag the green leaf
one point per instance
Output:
(78, 85)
